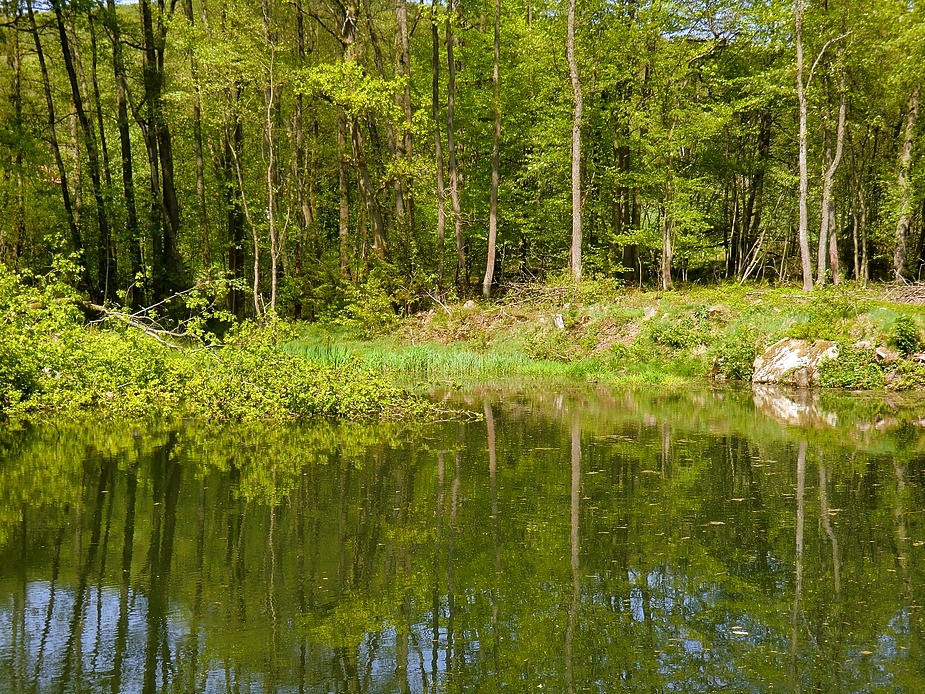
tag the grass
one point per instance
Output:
(628, 337)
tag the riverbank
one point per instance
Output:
(602, 333)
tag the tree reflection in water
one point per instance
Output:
(572, 539)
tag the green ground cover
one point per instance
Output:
(616, 335)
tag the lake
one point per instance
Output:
(568, 539)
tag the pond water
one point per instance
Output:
(572, 539)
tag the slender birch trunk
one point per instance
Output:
(451, 146)
(495, 161)
(576, 146)
(803, 230)
(438, 144)
(905, 186)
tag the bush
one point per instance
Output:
(51, 362)
(828, 309)
(855, 369)
(905, 335)
(734, 358)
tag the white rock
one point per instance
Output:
(793, 362)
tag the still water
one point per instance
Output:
(571, 539)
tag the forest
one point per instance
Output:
(318, 152)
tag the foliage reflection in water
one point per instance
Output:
(572, 540)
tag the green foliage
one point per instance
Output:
(676, 332)
(854, 369)
(52, 362)
(734, 357)
(905, 335)
(829, 310)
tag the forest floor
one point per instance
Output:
(607, 334)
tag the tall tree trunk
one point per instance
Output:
(169, 272)
(103, 270)
(405, 199)
(438, 143)
(366, 189)
(343, 193)
(133, 230)
(270, 106)
(495, 160)
(803, 230)
(76, 237)
(10, 248)
(905, 186)
(233, 144)
(575, 258)
(109, 249)
(204, 240)
(828, 243)
(451, 147)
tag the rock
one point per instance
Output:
(469, 305)
(650, 312)
(886, 355)
(864, 344)
(920, 357)
(559, 321)
(719, 312)
(793, 362)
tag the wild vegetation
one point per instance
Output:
(617, 335)
(295, 148)
(52, 361)
(288, 160)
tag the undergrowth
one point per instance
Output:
(52, 361)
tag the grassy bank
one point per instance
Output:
(614, 335)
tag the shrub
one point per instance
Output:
(828, 308)
(905, 335)
(855, 369)
(734, 357)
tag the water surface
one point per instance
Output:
(573, 539)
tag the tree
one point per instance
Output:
(575, 257)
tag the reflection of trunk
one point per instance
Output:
(905, 187)
(495, 156)
(902, 535)
(165, 478)
(573, 541)
(495, 539)
(453, 656)
(798, 568)
(197, 598)
(75, 635)
(50, 610)
(575, 257)
(438, 145)
(827, 527)
(128, 543)
(435, 604)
